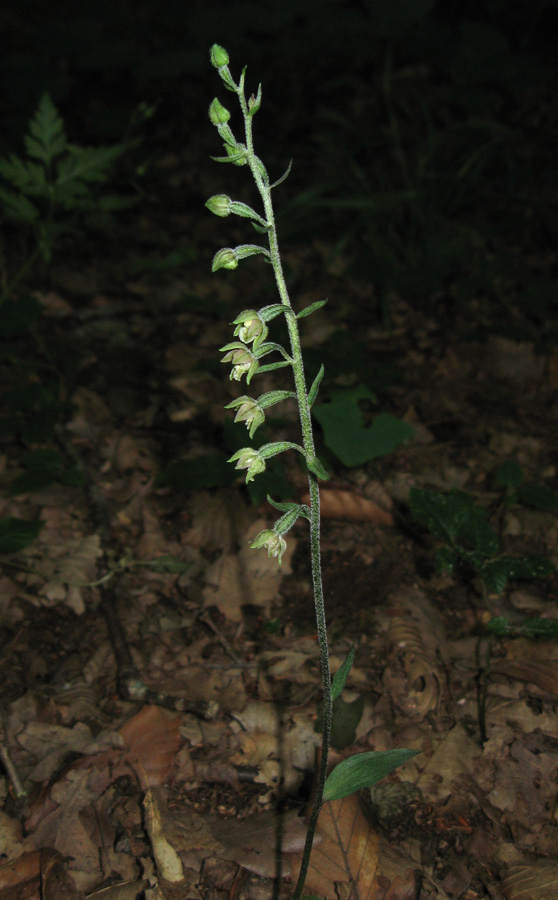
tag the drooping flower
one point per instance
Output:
(248, 411)
(274, 543)
(249, 459)
(242, 359)
(250, 327)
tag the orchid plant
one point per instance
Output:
(245, 354)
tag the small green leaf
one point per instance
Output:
(308, 310)
(303, 510)
(16, 534)
(317, 469)
(285, 175)
(313, 392)
(272, 397)
(167, 564)
(363, 770)
(245, 250)
(270, 367)
(496, 573)
(340, 676)
(268, 450)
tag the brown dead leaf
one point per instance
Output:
(541, 672)
(536, 882)
(250, 577)
(169, 864)
(26, 868)
(253, 842)
(56, 882)
(341, 504)
(350, 853)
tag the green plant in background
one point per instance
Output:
(470, 541)
(56, 180)
(245, 355)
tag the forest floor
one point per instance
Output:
(160, 680)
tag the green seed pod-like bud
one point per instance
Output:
(218, 56)
(218, 114)
(224, 259)
(220, 205)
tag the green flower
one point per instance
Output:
(250, 328)
(248, 412)
(250, 459)
(243, 361)
(274, 543)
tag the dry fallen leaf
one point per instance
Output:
(350, 853)
(337, 504)
(542, 672)
(536, 882)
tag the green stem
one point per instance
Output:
(314, 489)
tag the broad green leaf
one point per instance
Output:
(346, 435)
(317, 469)
(340, 676)
(363, 770)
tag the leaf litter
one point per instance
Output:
(124, 796)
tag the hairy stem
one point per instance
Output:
(314, 490)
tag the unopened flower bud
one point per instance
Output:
(224, 259)
(220, 205)
(218, 56)
(217, 113)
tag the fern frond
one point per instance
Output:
(88, 164)
(46, 139)
(17, 206)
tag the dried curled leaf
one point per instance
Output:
(337, 504)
